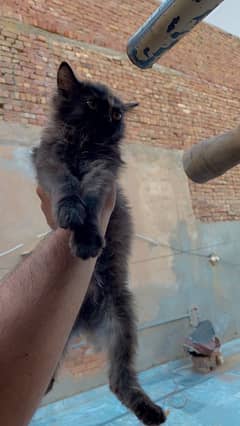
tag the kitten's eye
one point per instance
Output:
(116, 115)
(92, 104)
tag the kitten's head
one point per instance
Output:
(89, 107)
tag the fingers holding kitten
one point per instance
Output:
(72, 213)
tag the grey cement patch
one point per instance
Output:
(19, 134)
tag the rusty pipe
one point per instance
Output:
(212, 157)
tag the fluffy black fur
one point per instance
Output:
(77, 161)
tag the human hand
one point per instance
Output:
(104, 214)
(46, 207)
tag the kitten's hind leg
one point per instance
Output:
(122, 375)
(87, 240)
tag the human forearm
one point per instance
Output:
(38, 305)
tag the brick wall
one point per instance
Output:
(174, 109)
(178, 105)
(84, 360)
(89, 21)
(207, 53)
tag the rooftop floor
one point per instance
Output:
(193, 399)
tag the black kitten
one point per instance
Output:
(77, 161)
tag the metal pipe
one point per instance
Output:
(212, 157)
(165, 27)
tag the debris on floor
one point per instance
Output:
(204, 347)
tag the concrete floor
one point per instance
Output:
(193, 399)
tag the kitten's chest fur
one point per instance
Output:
(80, 154)
(78, 160)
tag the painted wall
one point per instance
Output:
(170, 269)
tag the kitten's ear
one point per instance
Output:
(66, 80)
(130, 105)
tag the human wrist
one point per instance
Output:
(56, 250)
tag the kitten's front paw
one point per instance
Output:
(86, 242)
(150, 414)
(71, 212)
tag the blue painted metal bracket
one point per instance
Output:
(165, 27)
